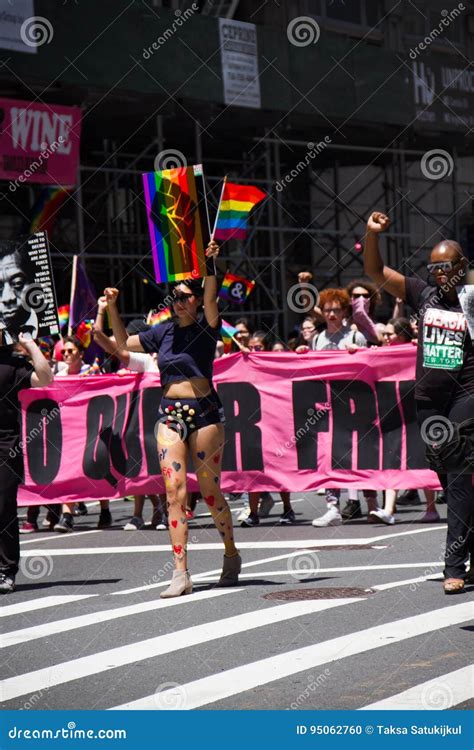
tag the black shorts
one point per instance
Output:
(186, 415)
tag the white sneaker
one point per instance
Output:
(332, 517)
(430, 517)
(266, 504)
(383, 516)
(244, 513)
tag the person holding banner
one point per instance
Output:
(190, 417)
(444, 389)
(15, 373)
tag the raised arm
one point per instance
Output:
(210, 290)
(43, 374)
(107, 343)
(386, 278)
(122, 339)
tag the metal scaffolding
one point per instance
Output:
(313, 222)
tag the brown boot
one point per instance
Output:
(231, 568)
(180, 584)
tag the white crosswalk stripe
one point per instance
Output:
(41, 603)
(165, 644)
(443, 692)
(216, 687)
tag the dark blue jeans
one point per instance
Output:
(458, 488)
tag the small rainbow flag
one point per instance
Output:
(178, 223)
(235, 288)
(227, 334)
(46, 208)
(93, 369)
(155, 317)
(235, 205)
(63, 315)
(84, 332)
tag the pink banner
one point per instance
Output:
(39, 143)
(293, 422)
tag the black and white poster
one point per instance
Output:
(27, 295)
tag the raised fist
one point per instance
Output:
(111, 295)
(378, 222)
(304, 277)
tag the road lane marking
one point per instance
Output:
(216, 687)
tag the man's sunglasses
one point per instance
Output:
(181, 297)
(444, 265)
(68, 351)
(360, 294)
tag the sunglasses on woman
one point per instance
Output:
(360, 294)
(181, 297)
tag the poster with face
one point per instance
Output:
(27, 295)
(466, 300)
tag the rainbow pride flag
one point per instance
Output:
(46, 208)
(63, 315)
(227, 333)
(155, 317)
(235, 288)
(178, 223)
(236, 203)
(84, 332)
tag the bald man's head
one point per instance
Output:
(447, 250)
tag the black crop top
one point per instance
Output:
(183, 352)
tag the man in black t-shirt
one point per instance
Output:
(15, 373)
(444, 389)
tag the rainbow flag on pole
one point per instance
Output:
(236, 203)
(227, 334)
(178, 223)
(63, 315)
(155, 317)
(235, 288)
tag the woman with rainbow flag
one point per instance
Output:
(190, 417)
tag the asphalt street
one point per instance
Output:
(347, 617)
